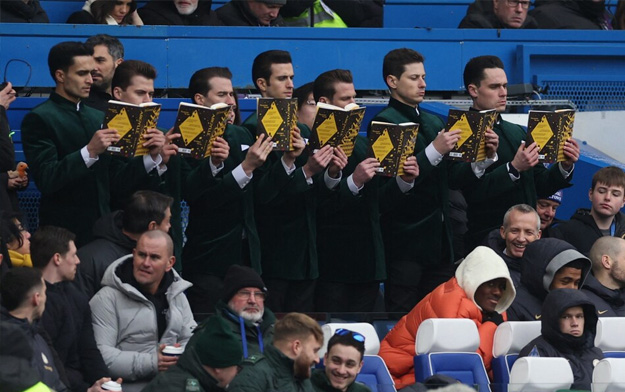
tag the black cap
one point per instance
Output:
(238, 277)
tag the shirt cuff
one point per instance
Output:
(403, 185)
(330, 182)
(150, 163)
(215, 169)
(433, 156)
(85, 157)
(240, 177)
(565, 173)
(352, 185)
(288, 170)
(479, 168)
(512, 176)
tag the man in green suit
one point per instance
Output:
(517, 177)
(222, 230)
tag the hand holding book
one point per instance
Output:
(338, 162)
(101, 141)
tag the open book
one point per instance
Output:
(550, 130)
(199, 126)
(472, 125)
(276, 118)
(131, 122)
(391, 144)
(336, 126)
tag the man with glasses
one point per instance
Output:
(343, 361)
(498, 14)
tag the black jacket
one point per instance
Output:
(16, 373)
(16, 11)
(98, 99)
(8, 198)
(498, 244)
(569, 14)
(237, 13)
(582, 231)
(579, 351)
(480, 15)
(67, 320)
(81, 17)
(157, 12)
(541, 260)
(110, 244)
(609, 303)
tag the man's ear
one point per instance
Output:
(117, 93)
(152, 225)
(606, 262)
(117, 62)
(198, 99)
(540, 233)
(391, 81)
(324, 100)
(296, 347)
(59, 76)
(472, 90)
(262, 84)
(56, 259)
(170, 263)
(502, 232)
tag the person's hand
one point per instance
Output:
(318, 161)
(154, 140)
(101, 140)
(97, 386)
(257, 154)
(525, 157)
(491, 143)
(365, 171)
(17, 183)
(220, 151)
(136, 19)
(571, 152)
(411, 169)
(337, 163)
(169, 149)
(165, 361)
(7, 96)
(298, 143)
(445, 141)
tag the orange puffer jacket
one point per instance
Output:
(448, 300)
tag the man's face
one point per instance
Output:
(41, 306)
(249, 303)
(306, 358)
(69, 263)
(489, 293)
(344, 94)
(512, 13)
(492, 92)
(617, 270)
(265, 13)
(343, 363)
(522, 229)
(546, 209)
(606, 200)
(185, 7)
(75, 84)
(224, 376)
(572, 321)
(409, 88)
(221, 91)
(280, 83)
(306, 113)
(566, 278)
(104, 68)
(151, 261)
(140, 90)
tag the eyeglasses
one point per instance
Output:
(515, 3)
(355, 335)
(244, 294)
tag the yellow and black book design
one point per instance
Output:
(199, 126)
(336, 126)
(276, 118)
(472, 125)
(131, 122)
(391, 144)
(550, 130)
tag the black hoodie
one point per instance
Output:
(16, 11)
(579, 351)
(570, 14)
(541, 260)
(609, 303)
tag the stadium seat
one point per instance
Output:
(375, 374)
(610, 338)
(383, 327)
(609, 375)
(447, 346)
(536, 374)
(372, 342)
(510, 338)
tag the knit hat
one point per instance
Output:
(238, 277)
(276, 2)
(217, 346)
(557, 197)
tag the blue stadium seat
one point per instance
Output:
(610, 338)
(375, 374)
(510, 338)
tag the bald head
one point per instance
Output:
(160, 235)
(608, 261)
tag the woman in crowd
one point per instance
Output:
(112, 12)
(17, 240)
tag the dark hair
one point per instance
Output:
(114, 46)
(62, 55)
(474, 70)
(129, 69)
(17, 285)
(396, 60)
(199, 83)
(261, 68)
(302, 92)
(100, 9)
(577, 264)
(143, 208)
(9, 231)
(324, 84)
(347, 340)
(48, 241)
(610, 176)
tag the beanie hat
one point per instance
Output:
(217, 346)
(557, 197)
(238, 277)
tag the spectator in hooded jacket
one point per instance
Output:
(22, 11)
(482, 290)
(547, 264)
(498, 14)
(604, 286)
(571, 14)
(179, 12)
(568, 328)
(251, 13)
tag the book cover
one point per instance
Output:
(130, 121)
(199, 126)
(391, 144)
(336, 126)
(276, 118)
(472, 125)
(550, 130)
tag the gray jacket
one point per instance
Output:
(125, 327)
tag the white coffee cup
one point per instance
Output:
(112, 386)
(173, 351)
